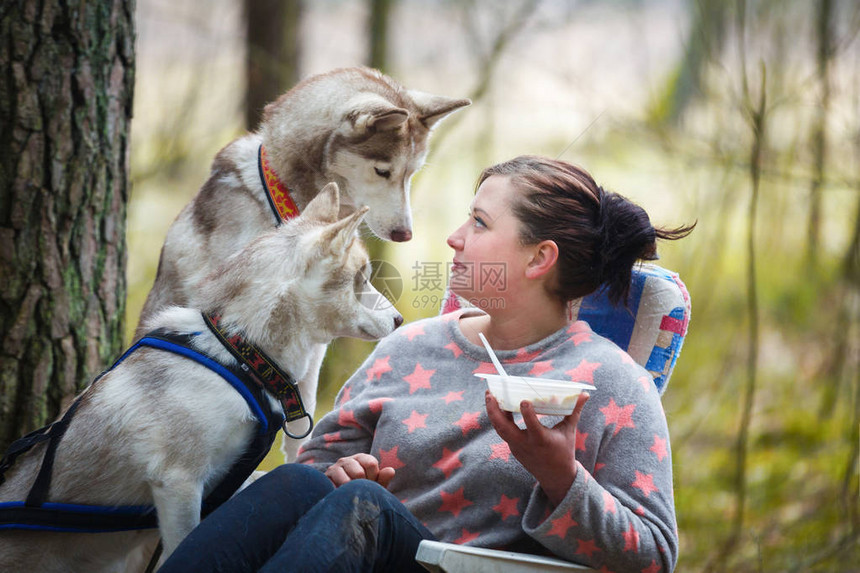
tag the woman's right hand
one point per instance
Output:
(359, 466)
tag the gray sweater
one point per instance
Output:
(416, 405)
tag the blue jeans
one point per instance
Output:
(293, 519)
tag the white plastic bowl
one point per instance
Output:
(555, 397)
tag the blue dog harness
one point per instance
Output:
(36, 513)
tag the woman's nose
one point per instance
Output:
(455, 239)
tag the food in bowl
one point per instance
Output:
(549, 396)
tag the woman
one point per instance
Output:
(416, 448)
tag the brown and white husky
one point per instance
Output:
(354, 126)
(161, 429)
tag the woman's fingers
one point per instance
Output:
(368, 467)
(336, 475)
(356, 466)
(533, 424)
(572, 420)
(385, 476)
(502, 421)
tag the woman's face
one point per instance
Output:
(489, 260)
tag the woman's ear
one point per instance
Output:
(544, 257)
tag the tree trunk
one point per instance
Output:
(65, 106)
(377, 26)
(704, 44)
(824, 38)
(274, 52)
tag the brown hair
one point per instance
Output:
(600, 234)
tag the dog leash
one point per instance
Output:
(264, 371)
(277, 193)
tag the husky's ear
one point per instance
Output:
(373, 113)
(435, 107)
(340, 235)
(325, 206)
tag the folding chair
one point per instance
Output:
(651, 328)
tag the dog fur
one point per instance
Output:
(354, 126)
(162, 429)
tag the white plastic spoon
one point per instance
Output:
(498, 366)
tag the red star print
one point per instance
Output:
(419, 378)
(453, 396)
(645, 482)
(468, 421)
(454, 348)
(562, 525)
(541, 368)
(375, 405)
(485, 368)
(598, 466)
(653, 568)
(584, 372)
(347, 418)
(454, 502)
(586, 547)
(389, 459)
(347, 394)
(631, 539)
(608, 503)
(523, 356)
(621, 417)
(415, 421)
(640, 511)
(449, 462)
(646, 382)
(501, 451)
(507, 507)
(466, 537)
(329, 438)
(580, 440)
(578, 326)
(380, 367)
(413, 331)
(451, 314)
(580, 337)
(659, 447)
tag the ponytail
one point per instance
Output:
(626, 236)
(600, 234)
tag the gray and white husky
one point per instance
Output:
(161, 429)
(354, 126)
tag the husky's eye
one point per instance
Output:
(384, 173)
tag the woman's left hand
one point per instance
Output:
(549, 454)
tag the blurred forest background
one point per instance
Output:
(742, 115)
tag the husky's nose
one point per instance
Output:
(401, 235)
(398, 320)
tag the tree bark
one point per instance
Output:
(704, 44)
(825, 42)
(274, 52)
(66, 92)
(377, 28)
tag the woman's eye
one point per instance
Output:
(384, 173)
(478, 221)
